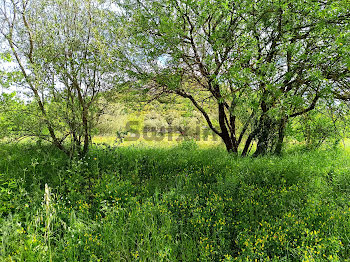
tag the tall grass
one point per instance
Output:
(173, 204)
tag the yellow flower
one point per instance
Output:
(136, 254)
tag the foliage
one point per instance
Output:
(183, 203)
(61, 51)
(328, 124)
(19, 120)
(259, 63)
(256, 72)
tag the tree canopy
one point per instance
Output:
(260, 63)
(61, 51)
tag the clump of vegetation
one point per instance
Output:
(181, 203)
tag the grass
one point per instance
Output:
(168, 140)
(180, 203)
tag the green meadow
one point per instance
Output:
(179, 203)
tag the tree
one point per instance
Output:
(326, 124)
(14, 117)
(260, 63)
(62, 53)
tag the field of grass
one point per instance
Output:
(181, 203)
(164, 142)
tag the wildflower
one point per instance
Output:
(136, 254)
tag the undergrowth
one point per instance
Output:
(173, 204)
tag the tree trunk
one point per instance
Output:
(281, 135)
(230, 147)
(84, 116)
(230, 143)
(263, 136)
(248, 142)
